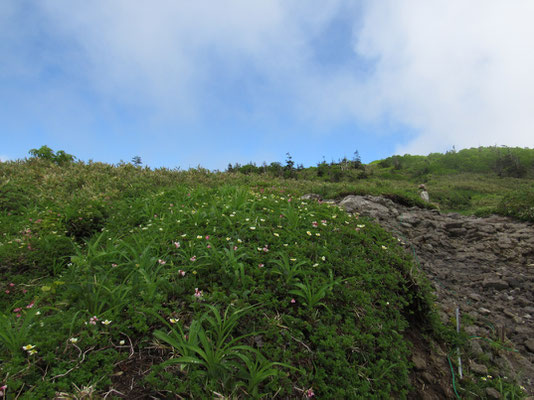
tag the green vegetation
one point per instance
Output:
(212, 282)
(479, 181)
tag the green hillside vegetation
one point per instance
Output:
(479, 181)
(213, 283)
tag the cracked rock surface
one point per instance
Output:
(484, 266)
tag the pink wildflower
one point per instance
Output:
(309, 393)
(265, 249)
(113, 265)
(18, 309)
(194, 258)
(198, 293)
(181, 272)
(93, 320)
(3, 390)
(207, 237)
(261, 265)
(30, 305)
(7, 291)
(162, 262)
(235, 248)
(177, 245)
(293, 301)
(11, 284)
(209, 246)
(24, 291)
(315, 224)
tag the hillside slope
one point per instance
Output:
(136, 283)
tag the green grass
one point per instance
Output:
(242, 289)
(246, 290)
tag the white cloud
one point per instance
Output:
(4, 158)
(458, 72)
(455, 72)
(170, 54)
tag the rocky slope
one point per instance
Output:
(484, 266)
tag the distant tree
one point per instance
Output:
(509, 165)
(229, 168)
(136, 160)
(356, 160)
(322, 168)
(289, 168)
(248, 168)
(276, 169)
(396, 162)
(344, 164)
(289, 163)
(46, 153)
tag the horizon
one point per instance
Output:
(182, 85)
(297, 164)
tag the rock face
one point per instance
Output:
(365, 205)
(483, 265)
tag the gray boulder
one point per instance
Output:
(364, 207)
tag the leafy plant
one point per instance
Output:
(216, 352)
(232, 261)
(99, 295)
(286, 268)
(257, 371)
(311, 293)
(14, 332)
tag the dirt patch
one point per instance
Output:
(127, 380)
(431, 376)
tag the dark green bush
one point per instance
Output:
(518, 204)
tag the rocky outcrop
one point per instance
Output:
(485, 266)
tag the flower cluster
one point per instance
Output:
(30, 348)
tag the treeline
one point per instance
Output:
(503, 161)
(334, 171)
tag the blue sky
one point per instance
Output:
(183, 83)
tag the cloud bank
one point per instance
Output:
(443, 73)
(457, 72)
